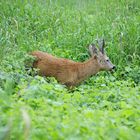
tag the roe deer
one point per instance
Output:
(69, 72)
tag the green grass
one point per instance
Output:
(106, 106)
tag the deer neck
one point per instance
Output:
(88, 68)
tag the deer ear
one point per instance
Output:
(92, 49)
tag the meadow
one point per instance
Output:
(103, 107)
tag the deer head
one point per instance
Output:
(100, 56)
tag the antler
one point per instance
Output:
(101, 44)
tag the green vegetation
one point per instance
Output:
(106, 106)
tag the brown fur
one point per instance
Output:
(65, 71)
(69, 72)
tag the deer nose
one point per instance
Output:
(114, 67)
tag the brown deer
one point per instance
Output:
(69, 72)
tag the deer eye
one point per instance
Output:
(107, 60)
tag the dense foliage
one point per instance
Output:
(106, 106)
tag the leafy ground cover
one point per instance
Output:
(106, 106)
